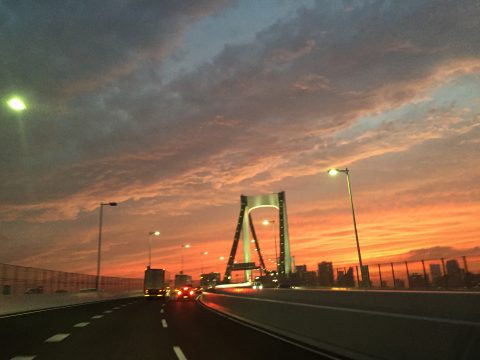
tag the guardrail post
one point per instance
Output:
(445, 276)
(408, 274)
(465, 268)
(380, 273)
(393, 276)
(358, 279)
(425, 280)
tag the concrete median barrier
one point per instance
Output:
(362, 325)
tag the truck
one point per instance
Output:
(182, 280)
(154, 283)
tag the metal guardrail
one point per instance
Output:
(18, 280)
(452, 273)
(449, 273)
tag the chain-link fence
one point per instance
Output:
(16, 280)
(452, 273)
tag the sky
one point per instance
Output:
(174, 109)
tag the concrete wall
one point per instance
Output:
(31, 302)
(363, 324)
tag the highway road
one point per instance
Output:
(137, 329)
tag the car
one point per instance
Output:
(35, 290)
(257, 285)
(185, 293)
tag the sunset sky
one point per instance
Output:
(174, 109)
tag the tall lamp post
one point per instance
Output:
(184, 246)
(97, 280)
(221, 258)
(155, 233)
(267, 222)
(333, 172)
(201, 259)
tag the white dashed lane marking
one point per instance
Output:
(57, 338)
(164, 323)
(24, 357)
(82, 324)
(179, 353)
(161, 311)
(97, 317)
(107, 311)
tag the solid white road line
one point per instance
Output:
(24, 357)
(161, 311)
(164, 323)
(97, 317)
(360, 311)
(179, 353)
(57, 338)
(82, 324)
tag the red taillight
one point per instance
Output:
(179, 292)
(191, 292)
(185, 288)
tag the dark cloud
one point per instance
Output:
(260, 111)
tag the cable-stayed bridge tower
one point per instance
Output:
(246, 229)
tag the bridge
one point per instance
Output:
(55, 315)
(232, 323)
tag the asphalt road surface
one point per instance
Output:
(137, 329)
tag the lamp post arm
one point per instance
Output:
(97, 285)
(150, 251)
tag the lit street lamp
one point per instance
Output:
(266, 222)
(201, 259)
(97, 280)
(334, 172)
(184, 246)
(155, 233)
(16, 104)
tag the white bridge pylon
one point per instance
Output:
(244, 226)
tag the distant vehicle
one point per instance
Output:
(257, 285)
(87, 290)
(185, 293)
(182, 280)
(35, 290)
(154, 283)
(284, 286)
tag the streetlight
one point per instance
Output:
(155, 233)
(267, 222)
(16, 104)
(97, 280)
(184, 246)
(333, 172)
(201, 260)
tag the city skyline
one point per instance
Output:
(174, 110)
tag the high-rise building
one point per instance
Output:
(311, 278)
(299, 277)
(454, 273)
(325, 274)
(301, 268)
(436, 274)
(345, 278)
